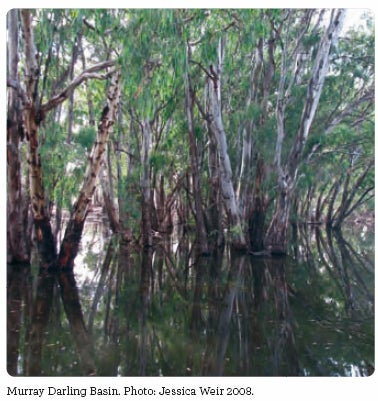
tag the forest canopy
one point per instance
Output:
(231, 123)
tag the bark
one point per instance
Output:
(108, 195)
(199, 215)
(250, 194)
(75, 226)
(146, 185)
(17, 249)
(228, 192)
(43, 230)
(256, 218)
(215, 204)
(159, 203)
(75, 52)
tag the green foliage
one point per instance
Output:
(150, 47)
(86, 137)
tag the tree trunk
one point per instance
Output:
(228, 192)
(215, 205)
(256, 217)
(277, 235)
(108, 194)
(72, 236)
(146, 185)
(17, 248)
(199, 216)
(75, 53)
(43, 231)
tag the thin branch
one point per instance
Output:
(362, 199)
(366, 97)
(202, 68)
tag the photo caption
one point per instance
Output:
(129, 391)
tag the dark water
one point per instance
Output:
(168, 313)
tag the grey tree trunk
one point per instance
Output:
(277, 235)
(227, 188)
(146, 184)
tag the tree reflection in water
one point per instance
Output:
(160, 312)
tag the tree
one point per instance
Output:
(17, 198)
(277, 235)
(34, 112)
(205, 94)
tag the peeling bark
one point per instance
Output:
(43, 230)
(72, 236)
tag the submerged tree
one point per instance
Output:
(205, 95)
(291, 70)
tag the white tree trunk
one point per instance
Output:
(227, 188)
(315, 88)
(277, 234)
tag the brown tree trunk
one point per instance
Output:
(199, 215)
(17, 248)
(256, 218)
(31, 117)
(72, 236)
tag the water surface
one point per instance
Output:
(167, 312)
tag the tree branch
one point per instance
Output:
(90, 73)
(349, 109)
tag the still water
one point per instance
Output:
(166, 312)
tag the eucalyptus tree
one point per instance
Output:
(291, 60)
(342, 143)
(17, 197)
(31, 88)
(206, 32)
(197, 86)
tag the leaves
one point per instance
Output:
(149, 46)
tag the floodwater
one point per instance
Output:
(166, 312)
